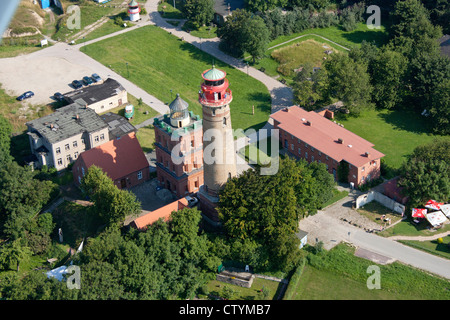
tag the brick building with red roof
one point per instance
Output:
(313, 137)
(164, 213)
(122, 159)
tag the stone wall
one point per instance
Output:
(380, 198)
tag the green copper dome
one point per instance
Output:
(133, 3)
(214, 74)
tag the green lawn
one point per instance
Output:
(349, 39)
(337, 195)
(168, 11)
(146, 137)
(394, 133)
(147, 50)
(374, 210)
(408, 228)
(296, 55)
(338, 275)
(433, 247)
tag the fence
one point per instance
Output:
(380, 198)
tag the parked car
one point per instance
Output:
(58, 96)
(87, 80)
(25, 95)
(96, 77)
(192, 201)
(77, 84)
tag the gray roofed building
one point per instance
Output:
(66, 122)
(118, 126)
(223, 8)
(100, 97)
(57, 139)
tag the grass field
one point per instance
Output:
(394, 133)
(338, 275)
(433, 247)
(147, 50)
(374, 210)
(296, 55)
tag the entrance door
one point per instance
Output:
(123, 184)
(334, 174)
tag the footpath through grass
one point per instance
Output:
(163, 65)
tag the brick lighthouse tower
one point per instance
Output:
(219, 156)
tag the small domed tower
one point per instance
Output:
(219, 156)
(134, 10)
(178, 149)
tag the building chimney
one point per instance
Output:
(341, 141)
(308, 123)
(366, 154)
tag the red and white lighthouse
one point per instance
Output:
(134, 10)
(219, 156)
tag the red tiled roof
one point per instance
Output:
(163, 212)
(323, 135)
(118, 158)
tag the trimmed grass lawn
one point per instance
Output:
(146, 138)
(349, 39)
(409, 228)
(338, 275)
(337, 195)
(139, 111)
(394, 133)
(160, 62)
(433, 247)
(168, 11)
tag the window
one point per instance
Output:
(224, 121)
(79, 179)
(196, 184)
(68, 158)
(299, 141)
(82, 171)
(75, 156)
(327, 167)
(292, 146)
(59, 162)
(75, 144)
(363, 169)
(312, 158)
(320, 154)
(306, 155)
(299, 151)
(96, 139)
(312, 149)
(67, 147)
(102, 136)
(139, 175)
(58, 150)
(82, 141)
(326, 157)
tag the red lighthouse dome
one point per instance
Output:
(214, 89)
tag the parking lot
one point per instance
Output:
(42, 75)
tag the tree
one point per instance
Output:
(440, 108)
(21, 197)
(349, 82)
(426, 173)
(262, 212)
(5, 140)
(233, 32)
(14, 252)
(260, 5)
(388, 78)
(111, 204)
(256, 37)
(411, 19)
(199, 12)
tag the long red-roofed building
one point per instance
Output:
(122, 159)
(164, 213)
(311, 136)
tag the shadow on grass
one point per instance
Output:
(380, 38)
(407, 121)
